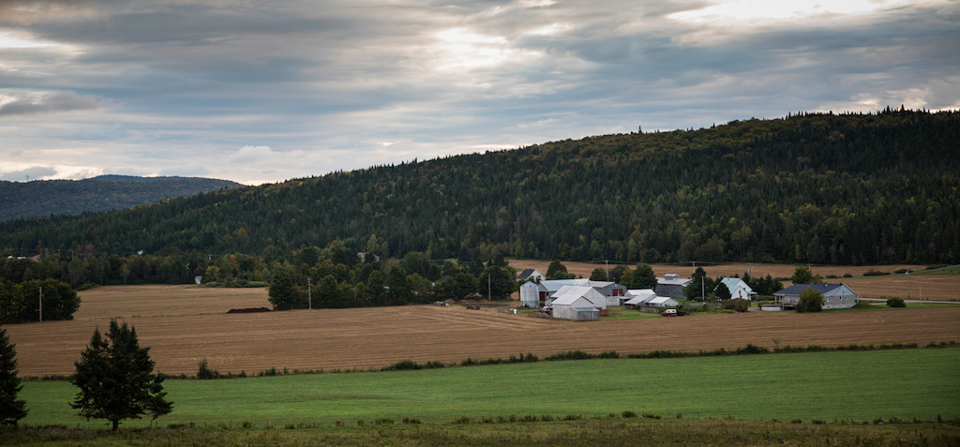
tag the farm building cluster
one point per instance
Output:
(584, 299)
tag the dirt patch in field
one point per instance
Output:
(372, 338)
(157, 300)
(934, 287)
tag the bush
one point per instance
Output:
(403, 365)
(895, 302)
(462, 420)
(629, 414)
(737, 304)
(810, 301)
(205, 373)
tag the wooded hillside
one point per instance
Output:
(817, 188)
(102, 193)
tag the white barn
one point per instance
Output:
(578, 303)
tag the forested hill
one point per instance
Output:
(818, 188)
(102, 193)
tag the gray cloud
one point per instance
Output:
(312, 79)
(61, 102)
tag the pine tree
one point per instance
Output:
(116, 379)
(11, 408)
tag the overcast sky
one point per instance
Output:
(263, 91)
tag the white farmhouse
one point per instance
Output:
(738, 288)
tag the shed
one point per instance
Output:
(637, 296)
(568, 293)
(661, 301)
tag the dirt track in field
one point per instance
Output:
(932, 287)
(364, 338)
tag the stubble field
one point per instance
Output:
(185, 324)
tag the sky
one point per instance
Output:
(264, 91)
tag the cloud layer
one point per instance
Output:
(264, 91)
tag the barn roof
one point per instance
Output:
(824, 289)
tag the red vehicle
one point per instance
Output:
(669, 313)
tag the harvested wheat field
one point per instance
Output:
(154, 300)
(935, 287)
(375, 337)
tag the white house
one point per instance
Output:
(738, 288)
(530, 275)
(835, 296)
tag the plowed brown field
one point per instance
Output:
(183, 325)
(931, 287)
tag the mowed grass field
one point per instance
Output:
(832, 385)
(376, 337)
(941, 287)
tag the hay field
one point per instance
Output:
(934, 287)
(376, 337)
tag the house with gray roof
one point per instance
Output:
(835, 296)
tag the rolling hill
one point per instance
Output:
(810, 188)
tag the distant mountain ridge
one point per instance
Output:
(101, 193)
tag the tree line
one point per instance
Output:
(810, 188)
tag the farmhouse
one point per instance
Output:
(578, 303)
(530, 275)
(835, 296)
(671, 285)
(738, 288)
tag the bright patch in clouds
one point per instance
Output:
(752, 10)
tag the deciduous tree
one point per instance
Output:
(810, 301)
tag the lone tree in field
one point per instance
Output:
(11, 408)
(116, 379)
(810, 301)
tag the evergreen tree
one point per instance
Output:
(11, 408)
(116, 379)
(723, 292)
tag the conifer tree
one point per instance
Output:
(11, 408)
(116, 379)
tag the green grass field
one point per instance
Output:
(831, 385)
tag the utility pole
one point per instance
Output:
(309, 297)
(607, 268)
(41, 304)
(488, 288)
